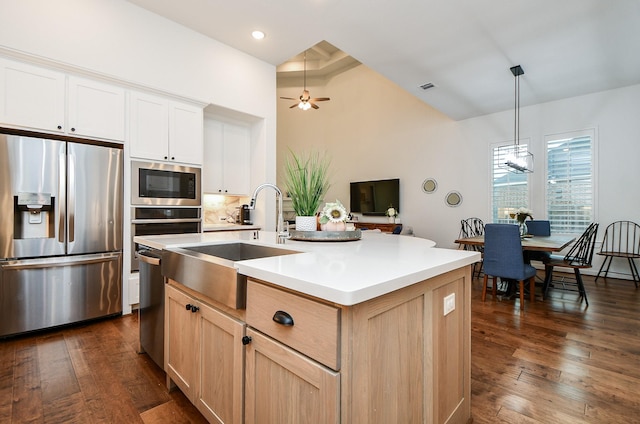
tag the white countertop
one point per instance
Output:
(229, 227)
(346, 273)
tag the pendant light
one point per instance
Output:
(516, 158)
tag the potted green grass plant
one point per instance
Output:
(307, 181)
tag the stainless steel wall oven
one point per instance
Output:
(156, 221)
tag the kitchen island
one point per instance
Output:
(351, 332)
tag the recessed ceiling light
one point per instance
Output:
(258, 35)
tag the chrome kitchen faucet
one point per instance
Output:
(282, 229)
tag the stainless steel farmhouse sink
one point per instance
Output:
(210, 269)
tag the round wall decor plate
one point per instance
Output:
(429, 185)
(453, 199)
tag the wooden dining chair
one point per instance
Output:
(621, 240)
(473, 227)
(578, 257)
(503, 258)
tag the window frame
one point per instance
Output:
(588, 132)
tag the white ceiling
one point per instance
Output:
(465, 47)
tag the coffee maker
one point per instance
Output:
(245, 215)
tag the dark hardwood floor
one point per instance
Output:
(557, 362)
(86, 374)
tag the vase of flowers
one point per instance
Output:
(307, 182)
(521, 215)
(392, 213)
(333, 217)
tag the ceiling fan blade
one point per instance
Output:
(320, 99)
(294, 105)
(288, 98)
(313, 105)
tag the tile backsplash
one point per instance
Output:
(218, 208)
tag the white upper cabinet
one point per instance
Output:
(96, 109)
(149, 126)
(165, 130)
(227, 158)
(41, 99)
(185, 132)
(32, 97)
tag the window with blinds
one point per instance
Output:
(510, 190)
(570, 176)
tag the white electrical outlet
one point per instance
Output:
(449, 303)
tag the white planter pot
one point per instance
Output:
(306, 223)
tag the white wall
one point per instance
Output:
(373, 129)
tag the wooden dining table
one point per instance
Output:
(553, 243)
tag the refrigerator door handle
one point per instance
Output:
(54, 262)
(62, 199)
(71, 195)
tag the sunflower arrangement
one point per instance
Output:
(333, 212)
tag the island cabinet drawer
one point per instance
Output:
(308, 326)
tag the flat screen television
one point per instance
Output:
(375, 197)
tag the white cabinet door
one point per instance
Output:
(226, 168)
(212, 167)
(149, 126)
(236, 159)
(31, 97)
(185, 133)
(96, 109)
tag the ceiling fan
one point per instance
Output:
(305, 102)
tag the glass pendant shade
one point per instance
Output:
(515, 158)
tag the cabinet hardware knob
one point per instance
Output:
(59, 127)
(246, 340)
(165, 158)
(173, 158)
(73, 130)
(194, 308)
(188, 307)
(283, 318)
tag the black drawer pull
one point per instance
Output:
(246, 340)
(283, 318)
(188, 307)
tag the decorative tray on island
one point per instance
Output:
(326, 235)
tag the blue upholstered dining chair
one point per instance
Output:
(538, 227)
(503, 258)
(541, 228)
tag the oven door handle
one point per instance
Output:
(165, 221)
(149, 256)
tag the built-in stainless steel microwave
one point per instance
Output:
(155, 183)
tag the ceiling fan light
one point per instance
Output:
(304, 105)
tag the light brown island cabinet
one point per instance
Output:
(204, 356)
(400, 359)
(394, 359)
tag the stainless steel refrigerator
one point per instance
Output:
(61, 206)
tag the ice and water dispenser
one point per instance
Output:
(33, 216)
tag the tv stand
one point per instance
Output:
(382, 226)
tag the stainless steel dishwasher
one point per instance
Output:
(151, 306)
